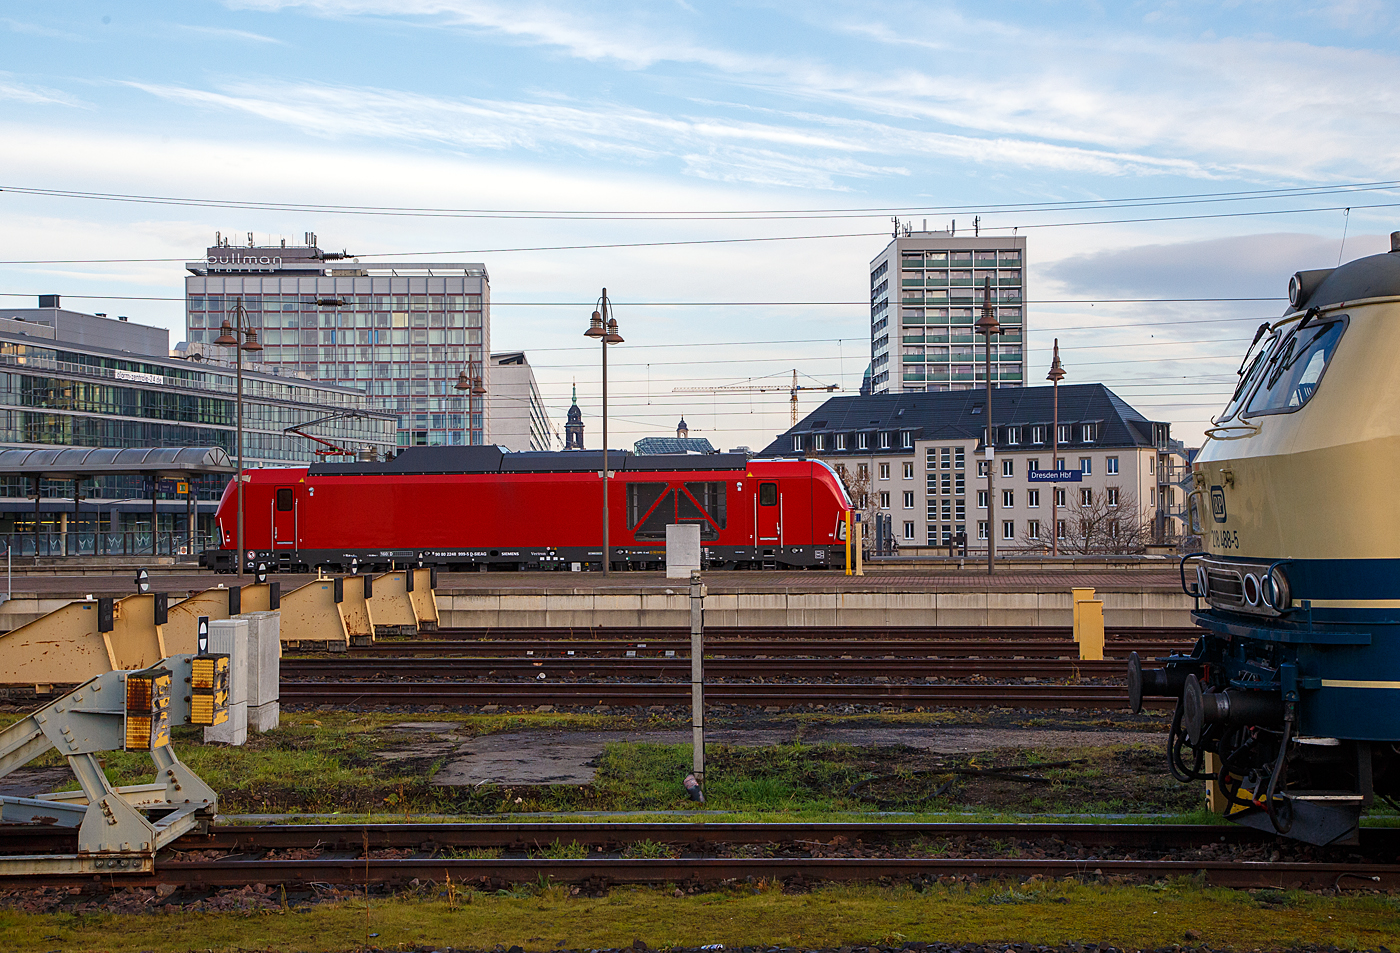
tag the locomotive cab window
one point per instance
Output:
(284, 500)
(768, 494)
(1294, 370)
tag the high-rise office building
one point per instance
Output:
(404, 332)
(925, 298)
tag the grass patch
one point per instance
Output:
(542, 917)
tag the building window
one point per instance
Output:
(841, 470)
(1086, 465)
(884, 471)
(981, 499)
(908, 499)
(1151, 461)
(1008, 499)
(1111, 466)
(1113, 528)
(884, 499)
(1008, 529)
(840, 441)
(1008, 468)
(1064, 433)
(1086, 497)
(862, 471)
(1152, 496)
(862, 441)
(909, 471)
(1032, 465)
(982, 529)
(1013, 436)
(906, 440)
(818, 441)
(909, 531)
(1090, 432)
(796, 444)
(958, 463)
(1033, 498)
(945, 458)
(1060, 497)
(981, 468)
(1112, 496)
(1033, 529)
(1060, 529)
(959, 484)
(1038, 433)
(884, 441)
(864, 500)
(960, 510)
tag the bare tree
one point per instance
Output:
(1110, 523)
(855, 477)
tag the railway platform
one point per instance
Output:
(1014, 596)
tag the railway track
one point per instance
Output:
(643, 647)
(848, 633)
(678, 666)
(749, 694)
(345, 855)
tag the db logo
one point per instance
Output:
(1217, 503)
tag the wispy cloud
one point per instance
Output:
(36, 95)
(228, 33)
(1225, 105)
(805, 151)
(37, 29)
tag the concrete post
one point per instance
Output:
(697, 675)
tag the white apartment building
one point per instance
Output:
(926, 291)
(517, 414)
(920, 460)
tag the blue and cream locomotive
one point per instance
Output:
(1290, 702)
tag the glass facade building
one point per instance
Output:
(401, 332)
(925, 298)
(56, 390)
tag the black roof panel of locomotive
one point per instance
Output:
(1375, 276)
(492, 459)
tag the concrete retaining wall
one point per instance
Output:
(584, 608)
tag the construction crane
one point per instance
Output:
(792, 389)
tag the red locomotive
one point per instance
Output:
(465, 507)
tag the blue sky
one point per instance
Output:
(633, 111)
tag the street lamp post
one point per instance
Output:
(229, 335)
(1056, 375)
(469, 382)
(604, 328)
(987, 324)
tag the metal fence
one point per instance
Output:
(128, 543)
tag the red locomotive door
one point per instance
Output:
(284, 518)
(768, 520)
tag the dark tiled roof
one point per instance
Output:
(961, 415)
(650, 445)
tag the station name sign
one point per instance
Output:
(1054, 476)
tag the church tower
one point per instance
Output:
(573, 429)
(682, 431)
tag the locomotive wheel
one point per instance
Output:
(1135, 683)
(1193, 715)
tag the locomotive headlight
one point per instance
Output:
(1251, 589)
(1275, 592)
(1295, 289)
